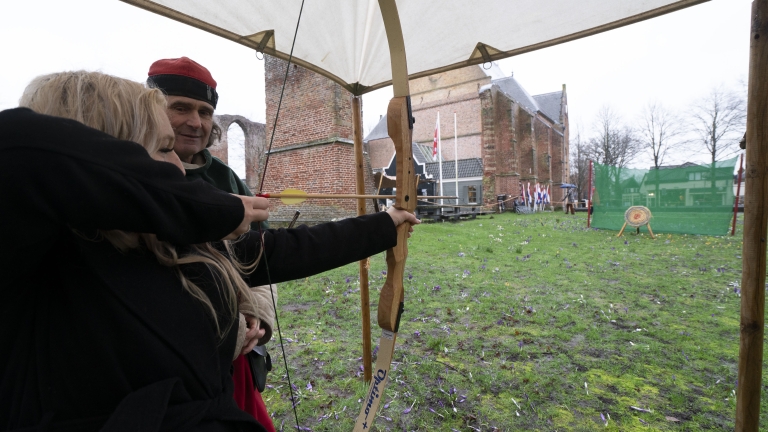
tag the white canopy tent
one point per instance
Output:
(345, 39)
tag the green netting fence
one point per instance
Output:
(685, 199)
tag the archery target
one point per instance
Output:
(636, 216)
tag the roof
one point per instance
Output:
(514, 90)
(421, 152)
(546, 103)
(467, 168)
(679, 173)
(685, 165)
(379, 131)
(549, 104)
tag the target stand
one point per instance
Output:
(637, 216)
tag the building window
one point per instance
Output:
(472, 194)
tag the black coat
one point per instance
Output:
(93, 338)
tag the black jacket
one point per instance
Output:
(93, 338)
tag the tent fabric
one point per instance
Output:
(345, 39)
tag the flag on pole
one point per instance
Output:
(547, 197)
(525, 191)
(438, 150)
(434, 140)
(522, 193)
(538, 194)
(530, 200)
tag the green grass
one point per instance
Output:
(525, 322)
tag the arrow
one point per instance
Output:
(296, 196)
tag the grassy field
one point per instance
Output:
(526, 322)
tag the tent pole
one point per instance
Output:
(589, 194)
(738, 193)
(755, 223)
(365, 301)
(456, 158)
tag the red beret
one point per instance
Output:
(183, 77)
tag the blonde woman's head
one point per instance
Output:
(130, 111)
(119, 107)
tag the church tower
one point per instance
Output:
(313, 148)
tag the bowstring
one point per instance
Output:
(280, 101)
(294, 402)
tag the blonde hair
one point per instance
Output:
(130, 111)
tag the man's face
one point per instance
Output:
(191, 120)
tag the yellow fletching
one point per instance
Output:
(296, 196)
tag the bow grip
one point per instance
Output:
(392, 295)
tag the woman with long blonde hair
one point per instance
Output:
(115, 314)
(129, 111)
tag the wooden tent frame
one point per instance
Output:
(755, 227)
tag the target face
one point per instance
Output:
(636, 216)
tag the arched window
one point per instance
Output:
(236, 149)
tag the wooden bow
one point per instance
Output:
(400, 127)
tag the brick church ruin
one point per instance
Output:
(505, 138)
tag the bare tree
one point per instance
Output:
(660, 131)
(614, 144)
(579, 164)
(718, 120)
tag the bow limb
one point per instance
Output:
(400, 127)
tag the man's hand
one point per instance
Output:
(253, 334)
(256, 210)
(399, 216)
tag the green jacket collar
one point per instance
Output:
(199, 169)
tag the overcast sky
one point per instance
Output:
(673, 59)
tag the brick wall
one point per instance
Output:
(468, 127)
(566, 138)
(543, 135)
(488, 136)
(500, 145)
(312, 148)
(381, 152)
(526, 144)
(449, 92)
(314, 107)
(456, 84)
(220, 149)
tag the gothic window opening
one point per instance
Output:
(236, 149)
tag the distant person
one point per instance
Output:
(570, 199)
(191, 93)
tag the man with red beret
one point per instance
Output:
(192, 98)
(191, 93)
